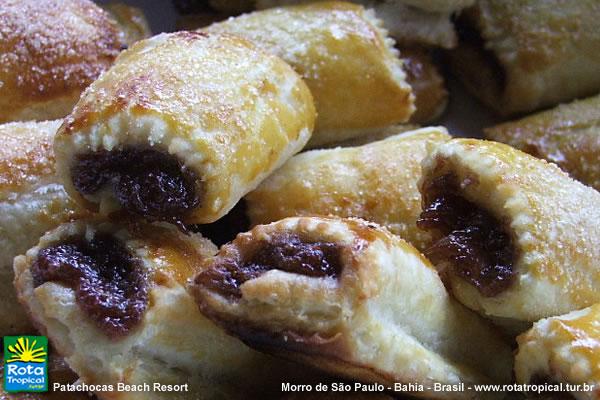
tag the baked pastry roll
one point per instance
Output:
(427, 84)
(50, 50)
(182, 126)
(31, 203)
(519, 56)
(377, 182)
(409, 22)
(345, 57)
(564, 349)
(568, 135)
(513, 236)
(131, 20)
(352, 299)
(122, 289)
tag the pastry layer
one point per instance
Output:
(376, 182)
(519, 56)
(50, 51)
(350, 298)
(568, 135)
(32, 201)
(513, 236)
(172, 343)
(345, 57)
(563, 349)
(182, 126)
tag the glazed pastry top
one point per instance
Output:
(42, 58)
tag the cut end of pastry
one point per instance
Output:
(109, 282)
(479, 68)
(468, 241)
(282, 280)
(286, 252)
(145, 182)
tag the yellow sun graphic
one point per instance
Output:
(26, 352)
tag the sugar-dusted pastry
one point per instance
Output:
(50, 50)
(568, 135)
(377, 182)
(513, 236)
(352, 299)
(408, 21)
(32, 201)
(522, 55)
(116, 295)
(182, 126)
(131, 20)
(564, 349)
(346, 59)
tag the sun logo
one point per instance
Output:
(25, 351)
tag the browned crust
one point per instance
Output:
(52, 49)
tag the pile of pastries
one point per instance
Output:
(260, 198)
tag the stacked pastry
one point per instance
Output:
(404, 259)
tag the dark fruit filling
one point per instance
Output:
(285, 252)
(145, 182)
(225, 229)
(468, 239)
(110, 285)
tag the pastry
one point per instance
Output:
(521, 55)
(345, 58)
(46, 61)
(564, 349)
(131, 20)
(181, 127)
(376, 181)
(514, 237)
(431, 96)
(351, 299)
(122, 289)
(411, 22)
(31, 202)
(568, 135)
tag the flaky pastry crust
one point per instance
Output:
(383, 317)
(32, 201)
(519, 56)
(563, 349)
(345, 57)
(50, 51)
(551, 220)
(568, 135)
(172, 344)
(209, 100)
(377, 182)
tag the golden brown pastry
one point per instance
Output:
(351, 299)
(32, 201)
(522, 55)
(377, 182)
(563, 349)
(431, 96)
(50, 50)
(411, 22)
(182, 126)
(568, 135)
(131, 20)
(112, 301)
(346, 59)
(514, 236)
